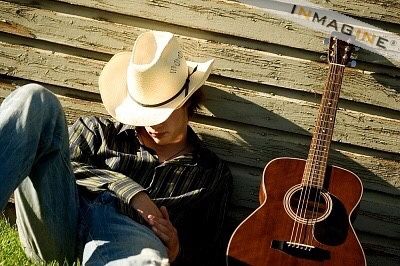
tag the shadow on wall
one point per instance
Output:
(254, 146)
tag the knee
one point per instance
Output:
(34, 91)
(37, 96)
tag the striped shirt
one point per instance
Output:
(195, 187)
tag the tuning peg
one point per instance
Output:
(352, 63)
(325, 41)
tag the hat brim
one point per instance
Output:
(114, 92)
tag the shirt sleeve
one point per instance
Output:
(86, 138)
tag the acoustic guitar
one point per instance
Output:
(306, 205)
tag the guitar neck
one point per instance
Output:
(317, 159)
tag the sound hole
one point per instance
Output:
(306, 204)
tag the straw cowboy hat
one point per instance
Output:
(143, 87)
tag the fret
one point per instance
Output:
(333, 98)
(311, 180)
(323, 141)
(324, 134)
(337, 65)
(320, 127)
(312, 160)
(317, 174)
(323, 128)
(319, 171)
(336, 90)
(318, 185)
(315, 177)
(317, 163)
(324, 119)
(314, 180)
(330, 108)
(323, 153)
(332, 88)
(315, 146)
(335, 83)
(330, 121)
(311, 164)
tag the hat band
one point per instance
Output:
(185, 88)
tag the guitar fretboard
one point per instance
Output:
(317, 159)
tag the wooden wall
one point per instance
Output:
(260, 100)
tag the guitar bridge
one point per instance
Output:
(301, 250)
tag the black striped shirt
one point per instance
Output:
(194, 187)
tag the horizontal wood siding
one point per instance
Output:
(260, 101)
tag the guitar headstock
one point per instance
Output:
(339, 50)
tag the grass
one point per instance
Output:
(11, 252)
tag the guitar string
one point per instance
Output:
(317, 198)
(333, 95)
(314, 164)
(307, 174)
(310, 178)
(298, 226)
(300, 205)
(326, 97)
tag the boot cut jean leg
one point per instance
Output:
(34, 156)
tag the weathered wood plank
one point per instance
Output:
(254, 146)
(380, 249)
(78, 31)
(49, 67)
(388, 10)
(240, 104)
(227, 17)
(373, 85)
(107, 35)
(244, 104)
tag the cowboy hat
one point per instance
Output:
(143, 87)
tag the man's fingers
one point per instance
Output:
(161, 224)
(161, 234)
(164, 212)
(163, 228)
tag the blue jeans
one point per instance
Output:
(54, 223)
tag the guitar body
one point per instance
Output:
(265, 237)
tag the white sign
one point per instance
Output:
(321, 19)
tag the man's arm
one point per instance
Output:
(85, 141)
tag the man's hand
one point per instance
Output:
(164, 229)
(145, 206)
(159, 221)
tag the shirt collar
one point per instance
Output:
(125, 127)
(192, 136)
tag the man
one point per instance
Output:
(149, 192)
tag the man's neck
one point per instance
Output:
(167, 151)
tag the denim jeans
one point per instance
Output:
(53, 222)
